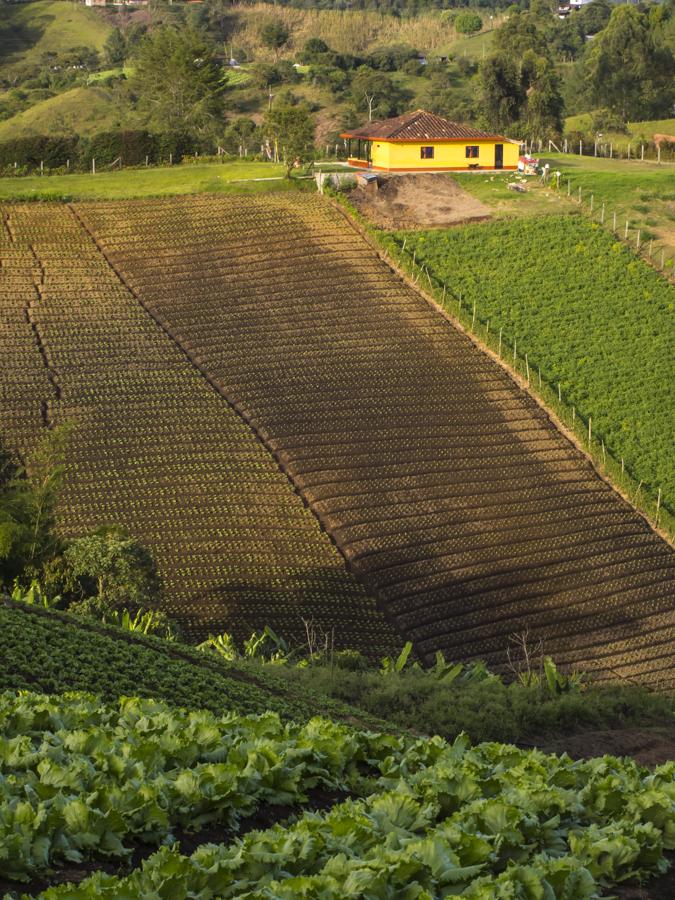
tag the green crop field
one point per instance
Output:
(596, 320)
(86, 782)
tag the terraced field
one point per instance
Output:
(155, 446)
(448, 490)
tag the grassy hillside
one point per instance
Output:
(49, 26)
(81, 110)
(637, 132)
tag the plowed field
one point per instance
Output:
(156, 447)
(453, 497)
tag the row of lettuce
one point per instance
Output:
(425, 818)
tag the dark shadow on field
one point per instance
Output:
(348, 617)
(15, 39)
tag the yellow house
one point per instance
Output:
(421, 141)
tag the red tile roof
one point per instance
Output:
(419, 125)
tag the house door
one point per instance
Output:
(499, 156)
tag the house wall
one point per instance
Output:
(449, 155)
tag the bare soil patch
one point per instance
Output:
(413, 201)
(649, 746)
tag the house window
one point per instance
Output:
(472, 152)
(426, 152)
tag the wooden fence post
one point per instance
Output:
(625, 234)
(93, 166)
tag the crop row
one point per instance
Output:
(455, 500)
(63, 799)
(590, 317)
(155, 448)
(436, 819)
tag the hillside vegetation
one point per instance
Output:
(32, 30)
(80, 110)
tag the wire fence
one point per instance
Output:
(646, 499)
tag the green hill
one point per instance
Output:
(81, 110)
(48, 26)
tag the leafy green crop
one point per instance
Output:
(440, 819)
(595, 319)
(52, 652)
(79, 778)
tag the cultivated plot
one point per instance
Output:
(446, 487)
(156, 448)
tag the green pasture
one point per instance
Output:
(49, 26)
(152, 182)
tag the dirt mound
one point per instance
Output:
(411, 201)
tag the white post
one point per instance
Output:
(625, 234)
(614, 222)
(581, 144)
(637, 243)
(42, 167)
(642, 152)
(602, 215)
(93, 166)
(500, 343)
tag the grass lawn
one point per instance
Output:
(641, 192)
(505, 204)
(130, 183)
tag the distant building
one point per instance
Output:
(421, 141)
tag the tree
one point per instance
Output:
(624, 68)
(179, 79)
(375, 93)
(274, 35)
(28, 535)
(115, 48)
(468, 22)
(291, 129)
(595, 16)
(543, 117)
(113, 568)
(501, 91)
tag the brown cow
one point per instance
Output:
(663, 139)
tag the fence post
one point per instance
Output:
(500, 343)
(625, 234)
(589, 431)
(581, 145)
(93, 165)
(642, 152)
(591, 204)
(614, 222)
(629, 151)
(602, 215)
(611, 150)
(569, 187)
(527, 370)
(650, 248)
(170, 159)
(579, 194)
(658, 154)
(637, 243)
(662, 255)
(42, 167)
(67, 165)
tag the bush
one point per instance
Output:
(468, 22)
